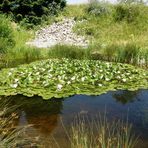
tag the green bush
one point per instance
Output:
(6, 35)
(31, 11)
(98, 8)
(126, 12)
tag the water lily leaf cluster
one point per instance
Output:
(58, 78)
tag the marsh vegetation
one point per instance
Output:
(115, 59)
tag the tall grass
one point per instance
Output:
(12, 135)
(66, 51)
(9, 135)
(100, 133)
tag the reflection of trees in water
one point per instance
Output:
(41, 114)
(125, 96)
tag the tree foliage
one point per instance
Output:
(31, 10)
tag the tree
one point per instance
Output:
(31, 10)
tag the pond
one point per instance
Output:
(48, 117)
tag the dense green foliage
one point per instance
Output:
(31, 11)
(6, 35)
(62, 78)
(128, 13)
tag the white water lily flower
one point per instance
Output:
(83, 79)
(73, 78)
(101, 76)
(43, 69)
(14, 85)
(107, 79)
(124, 80)
(16, 80)
(68, 82)
(107, 64)
(38, 78)
(100, 85)
(59, 87)
(118, 77)
(9, 74)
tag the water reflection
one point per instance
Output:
(45, 116)
(125, 96)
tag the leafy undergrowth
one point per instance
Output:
(55, 78)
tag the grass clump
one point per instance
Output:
(100, 133)
(9, 134)
(72, 52)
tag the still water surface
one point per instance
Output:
(47, 117)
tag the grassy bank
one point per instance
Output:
(116, 33)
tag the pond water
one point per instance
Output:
(47, 117)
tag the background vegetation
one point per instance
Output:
(116, 32)
(31, 11)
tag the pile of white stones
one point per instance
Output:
(58, 33)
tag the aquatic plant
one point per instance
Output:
(9, 134)
(62, 78)
(100, 133)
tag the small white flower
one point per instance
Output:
(38, 78)
(16, 80)
(14, 85)
(124, 80)
(43, 69)
(59, 87)
(107, 79)
(9, 74)
(83, 79)
(100, 85)
(68, 82)
(73, 78)
(101, 76)
(118, 77)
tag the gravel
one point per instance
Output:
(58, 33)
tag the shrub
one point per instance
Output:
(31, 10)
(98, 8)
(6, 35)
(126, 12)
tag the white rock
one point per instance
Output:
(57, 33)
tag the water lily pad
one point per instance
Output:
(56, 78)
